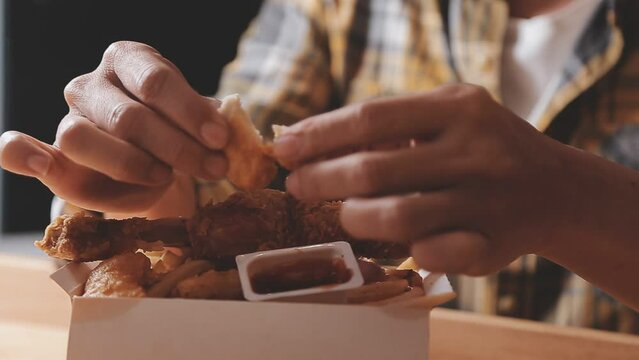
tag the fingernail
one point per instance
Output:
(160, 173)
(293, 185)
(214, 134)
(39, 164)
(286, 146)
(215, 166)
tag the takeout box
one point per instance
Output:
(163, 329)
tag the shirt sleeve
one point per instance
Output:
(282, 69)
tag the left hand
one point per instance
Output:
(478, 187)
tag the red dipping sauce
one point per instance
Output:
(300, 274)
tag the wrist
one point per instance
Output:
(594, 202)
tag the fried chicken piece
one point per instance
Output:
(269, 219)
(81, 237)
(246, 222)
(319, 223)
(120, 276)
(221, 285)
(250, 165)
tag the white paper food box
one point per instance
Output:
(168, 329)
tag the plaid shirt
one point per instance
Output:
(300, 58)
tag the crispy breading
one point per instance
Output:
(250, 164)
(81, 237)
(222, 285)
(120, 276)
(320, 221)
(246, 222)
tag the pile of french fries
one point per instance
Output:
(173, 273)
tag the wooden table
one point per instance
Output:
(34, 316)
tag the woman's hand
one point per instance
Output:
(135, 135)
(477, 187)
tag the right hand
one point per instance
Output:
(135, 129)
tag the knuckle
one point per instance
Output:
(472, 99)
(469, 91)
(308, 130)
(69, 132)
(311, 186)
(365, 124)
(117, 48)
(396, 221)
(151, 81)
(114, 48)
(124, 119)
(367, 174)
(126, 168)
(177, 153)
(75, 89)
(475, 97)
(306, 127)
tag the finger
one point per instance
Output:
(132, 121)
(376, 173)
(158, 84)
(377, 121)
(24, 155)
(392, 145)
(455, 252)
(86, 145)
(401, 218)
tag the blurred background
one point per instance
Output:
(46, 43)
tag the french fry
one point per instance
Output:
(211, 285)
(170, 280)
(170, 260)
(376, 291)
(413, 278)
(413, 293)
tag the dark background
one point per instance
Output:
(49, 42)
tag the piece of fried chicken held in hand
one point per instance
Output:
(251, 165)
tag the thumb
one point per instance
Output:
(89, 189)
